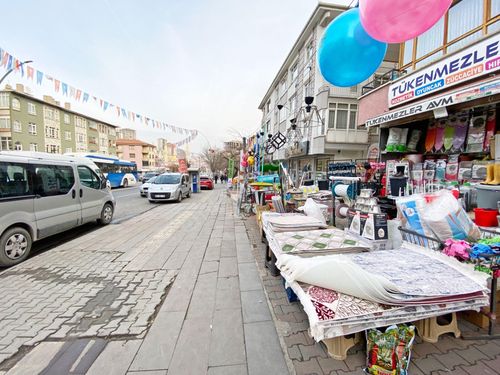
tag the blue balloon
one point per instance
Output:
(347, 55)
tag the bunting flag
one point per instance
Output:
(10, 62)
(39, 77)
(30, 72)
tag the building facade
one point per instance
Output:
(333, 135)
(126, 133)
(453, 70)
(145, 155)
(31, 124)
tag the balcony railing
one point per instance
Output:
(379, 80)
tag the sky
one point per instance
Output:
(200, 64)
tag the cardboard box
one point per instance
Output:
(479, 319)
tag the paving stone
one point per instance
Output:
(228, 293)
(310, 367)
(255, 308)
(425, 348)
(450, 360)
(203, 299)
(158, 346)
(315, 350)
(329, 365)
(228, 267)
(356, 361)
(227, 370)
(207, 267)
(37, 359)
(490, 349)
(227, 343)
(159, 372)
(480, 369)
(294, 353)
(264, 355)
(429, 364)
(471, 354)
(249, 277)
(192, 348)
(115, 358)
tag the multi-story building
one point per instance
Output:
(449, 73)
(31, 124)
(333, 135)
(233, 146)
(126, 133)
(143, 154)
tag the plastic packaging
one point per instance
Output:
(414, 139)
(311, 208)
(394, 139)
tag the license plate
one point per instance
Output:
(160, 195)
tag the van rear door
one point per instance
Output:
(57, 207)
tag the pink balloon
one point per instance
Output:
(396, 21)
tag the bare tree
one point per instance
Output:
(214, 158)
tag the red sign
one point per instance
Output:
(183, 166)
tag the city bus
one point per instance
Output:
(120, 173)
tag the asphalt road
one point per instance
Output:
(129, 203)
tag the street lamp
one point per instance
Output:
(12, 69)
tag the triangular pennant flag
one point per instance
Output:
(30, 71)
(85, 97)
(124, 112)
(105, 105)
(78, 94)
(72, 92)
(101, 102)
(65, 89)
(5, 59)
(9, 63)
(39, 77)
(1, 54)
(118, 111)
(17, 64)
(57, 85)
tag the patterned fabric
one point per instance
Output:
(323, 312)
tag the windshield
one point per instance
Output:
(152, 179)
(150, 174)
(167, 179)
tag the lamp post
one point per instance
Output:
(12, 69)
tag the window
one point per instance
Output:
(17, 127)
(294, 72)
(53, 180)
(80, 138)
(92, 125)
(93, 140)
(5, 143)
(131, 155)
(32, 128)
(310, 50)
(14, 181)
(51, 132)
(463, 17)
(88, 178)
(67, 135)
(282, 88)
(31, 108)
(16, 104)
(80, 122)
(33, 147)
(68, 150)
(66, 119)
(4, 123)
(18, 146)
(431, 40)
(292, 104)
(52, 149)
(103, 142)
(342, 116)
(4, 100)
(309, 88)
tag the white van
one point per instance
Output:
(44, 194)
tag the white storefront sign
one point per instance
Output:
(470, 93)
(478, 60)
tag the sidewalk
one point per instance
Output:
(175, 289)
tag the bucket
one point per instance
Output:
(397, 185)
(486, 217)
(488, 196)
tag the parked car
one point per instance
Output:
(148, 175)
(206, 183)
(170, 187)
(145, 186)
(44, 194)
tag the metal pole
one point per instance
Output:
(11, 70)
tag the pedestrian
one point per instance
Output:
(216, 178)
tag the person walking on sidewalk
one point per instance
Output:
(216, 178)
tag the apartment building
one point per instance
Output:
(449, 75)
(31, 124)
(333, 135)
(145, 155)
(126, 133)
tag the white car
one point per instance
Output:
(145, 186)
(169, 187)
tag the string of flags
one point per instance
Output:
(9, 61)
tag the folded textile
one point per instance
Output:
(393, 277)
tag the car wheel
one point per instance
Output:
(106, 214)
(179, 199)
(15, 246)
(188, 194)
(125, 183)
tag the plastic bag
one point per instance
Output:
(414, 139)
(311, 208)
(393, 139)
(389, 352)
(448, 220)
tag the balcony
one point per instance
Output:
(381, 79)
(358, 136)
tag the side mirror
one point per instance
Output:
(104, 183)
